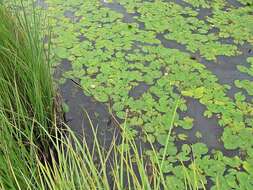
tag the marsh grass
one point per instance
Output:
(34, 152)
(26, 96)
(26, 84)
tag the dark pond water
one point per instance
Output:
(84, 112)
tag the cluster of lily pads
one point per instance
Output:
(114, 56)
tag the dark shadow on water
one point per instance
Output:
(171, 44)
(203, 13)
(235, 3)
(139, 90)
(127, 17)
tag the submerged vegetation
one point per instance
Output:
(150, 62)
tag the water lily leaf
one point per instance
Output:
(150, 138)
(187, 93)
(121, 114)
(162, 139)
(231, 141)
(118, 106)
(198, 92)
(61, 52)
(171, 150)
(186, 149)
(239, 97)
(167, 167)
(186, 123)
(149, 128)
(199, 149)
(198, 134)
(102, 97)
(182, 137)
(248, 166)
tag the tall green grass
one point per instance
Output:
(26, 86)
(34, 152)
(26, 96)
